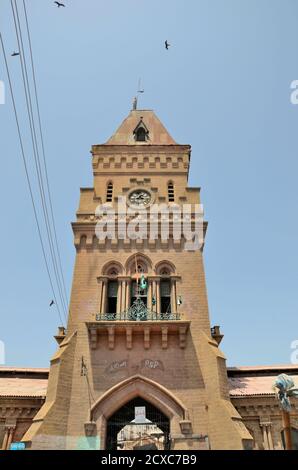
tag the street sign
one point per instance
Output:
(17, 446)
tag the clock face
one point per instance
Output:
(139, 197)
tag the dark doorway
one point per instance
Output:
(124, 432)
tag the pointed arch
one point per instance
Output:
(144, 261)
(112, 265)
(165, 265)
(141, 132)
(138, 386)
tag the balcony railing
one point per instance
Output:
(138, 312)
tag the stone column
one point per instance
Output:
(127, 298)
(6, 432)
(265, 437)
(10, 436)
(98, 306)
(173, 296)
(104, 295)
(270, 440)
(119, 295)
(158, 307)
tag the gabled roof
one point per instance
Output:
(157, 133)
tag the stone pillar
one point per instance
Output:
(265, 439)
(104, 295)
(173, 296)
(98, 306)
(127, 298)
(270, 440)
(4, 444)
(119, 296)
(11, 430)
(124, 294)
(158, 307)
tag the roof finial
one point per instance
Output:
(134, 103)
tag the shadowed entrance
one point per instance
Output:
(124, 431)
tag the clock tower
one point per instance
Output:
(138, 366)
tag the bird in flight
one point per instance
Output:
(14, 54)
(52, 303)
(167, 45)
(59, 4)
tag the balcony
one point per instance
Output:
(135, 323)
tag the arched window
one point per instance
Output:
(171, 195)
(141, 135)
(109, 197)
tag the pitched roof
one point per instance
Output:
(158, 135)
(253, 386)
(23, 387)
(21, 382)
(257, 380)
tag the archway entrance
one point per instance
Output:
(138, 425)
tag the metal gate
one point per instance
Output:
(125, 433)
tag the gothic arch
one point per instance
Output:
(165, 265)
(110, 265)
(143, 259)
(138, 386)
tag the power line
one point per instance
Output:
(27, 176)
(43, 147)
(36, 153)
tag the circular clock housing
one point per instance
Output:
(140, 198)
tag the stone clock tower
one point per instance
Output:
(138, 349)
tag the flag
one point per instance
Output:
(143, 282)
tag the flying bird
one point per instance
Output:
(59, 4)
(52, 303)
(14, 54)
(167, 45)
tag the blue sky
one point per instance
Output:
(224, 88)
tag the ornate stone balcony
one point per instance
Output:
(137, 320)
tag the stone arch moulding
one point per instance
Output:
(130, 262)
(138, 386)
(165, 265)
(110, 265)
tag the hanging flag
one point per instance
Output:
(143, 282)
